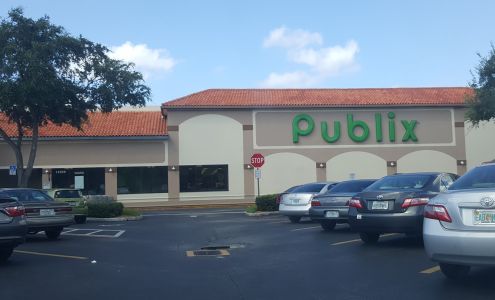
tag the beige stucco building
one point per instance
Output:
(197, 150)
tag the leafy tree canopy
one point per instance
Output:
(47, 75)
(482, 103)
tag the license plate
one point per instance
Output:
(295, 201)
(379, 205)
(331, 214)
(484, 217)
(47, 212)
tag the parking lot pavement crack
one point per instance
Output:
(236, 285)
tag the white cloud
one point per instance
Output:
(320, 63)
(147, 60)
(287, 38)
(294, 79)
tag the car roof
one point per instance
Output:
(421, 173)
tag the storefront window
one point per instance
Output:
(10, 181)
(204, 178)
(91, 181)
(142, 180)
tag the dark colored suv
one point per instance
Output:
(13, 227)
(395, 204)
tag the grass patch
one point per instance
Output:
(251, 208)
(129, 212)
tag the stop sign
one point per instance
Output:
(257, 160)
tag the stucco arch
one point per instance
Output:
(212, 139)
(356, 164)
(426, 161)
(283, 170)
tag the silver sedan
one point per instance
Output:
(297, 203)
(459, 225)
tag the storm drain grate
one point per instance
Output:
(220, 252)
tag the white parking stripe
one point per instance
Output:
(305, 228)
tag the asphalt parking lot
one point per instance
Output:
(268, 258)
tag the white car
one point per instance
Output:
(459, 225)
(297, 203)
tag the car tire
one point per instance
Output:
(369, 237)
(328, 225)
(5, 253)
(454, 272)
(53, 234)
(80, 219)
(294, 219)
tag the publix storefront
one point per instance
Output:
(316, 135)
(197, 149)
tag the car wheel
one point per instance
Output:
(294, 219)
(454, 272)
(328, 225)
(53, 234)
(80, 219)
(5, 253)
(369, 237)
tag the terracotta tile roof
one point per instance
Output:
(252, 98)
(115, 124)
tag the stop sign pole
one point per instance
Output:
(257, 161)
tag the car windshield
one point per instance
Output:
(477, 178)
(25, 196)
(400, 182)
(351, 186)
(309, 188)
(67, 194)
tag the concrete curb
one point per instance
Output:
(117, 219)
(261, 213)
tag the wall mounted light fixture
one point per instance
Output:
(173, 168)
(461, 162)
(248, 167)
(391, 164)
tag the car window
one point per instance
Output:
(351, 186)
(28, 195)
(477, 178)
(309, 188)
(445, 182)
(291, 189)
(67, 194)
(399, 182)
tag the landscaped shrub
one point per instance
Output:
(105, 210)
(267, 203)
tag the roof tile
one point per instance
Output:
(115, 124)
(252, 98)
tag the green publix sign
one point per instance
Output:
(352, 124)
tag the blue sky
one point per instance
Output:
(185, 46)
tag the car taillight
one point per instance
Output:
(315, 203)
(437, 212)
(415, 202)
(15, 211)
(355, 202)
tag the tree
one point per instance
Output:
(47, 75)
(481, 106)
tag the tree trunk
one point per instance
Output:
(32, 156)
(17, 149)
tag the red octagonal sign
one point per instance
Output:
(257, 160)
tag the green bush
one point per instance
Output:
(251, 208)
(105, 210)
(267, 203)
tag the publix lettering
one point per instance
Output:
(352, 124)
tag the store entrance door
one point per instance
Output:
(91, 181)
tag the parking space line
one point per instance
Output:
(93, 232)
(69, 230)
(50, 254)
(431, 270)
(359, 240)
(306, 228)
(279, 222)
